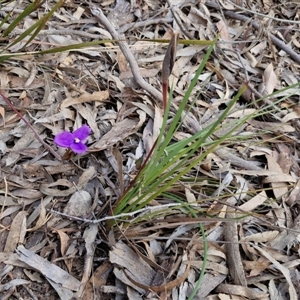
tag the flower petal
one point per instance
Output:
(82, 132)
(78, 148)
(64, 139)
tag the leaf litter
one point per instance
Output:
(252, 254)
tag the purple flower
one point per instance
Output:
(74, 141)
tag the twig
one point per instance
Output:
(97, 12)
(256, 25)
(107, 218)
(31, 127)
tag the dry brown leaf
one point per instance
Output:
(70, 188)
(274, 290)
(85, 98)
(272, 126)
(64, 241)
(27, 193)
(165, 287)
(21, 144)
(2, 113)
(270, 79)
(224, 34)
(118, 132)
(98, 280)
(278, 181)
(285, 159)
(16, 233)
(294, 196)
(12, 284)
(17, 82)
(254, 202)
(148, 140)
(241, 291)
(139, 270)
(50, 271)
(62, 115)
(209, 283)
(158, 120)
(78, 13)
(89, 115)
(282, 269)
(258, 48)
(43, 217)
(7, 201)
(215, 268)
(256, 267)
(48, 189)
(187, 51)
(279, 178)
(32, 76)
(261, 237)
(79, 204)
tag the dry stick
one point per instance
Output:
(31, 127)
(97, 12)
(256, 25)
(116, 217)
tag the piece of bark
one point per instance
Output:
(234, 259)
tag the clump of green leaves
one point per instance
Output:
(171, 160)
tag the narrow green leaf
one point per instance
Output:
(5, 19)
(37, 27)
(27, 11)
(44, 20)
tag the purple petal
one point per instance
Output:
(64, 139)
(82, 132)
(78, 148)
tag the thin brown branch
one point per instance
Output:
(97, 12)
